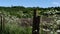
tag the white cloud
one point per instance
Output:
(56, 3)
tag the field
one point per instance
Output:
(18, 20)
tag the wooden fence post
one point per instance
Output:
(58, 31)
(2, 23)
(36, 21)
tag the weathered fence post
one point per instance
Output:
(36, 21)
(2, 23)
(58, 31)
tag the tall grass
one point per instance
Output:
(15, 29)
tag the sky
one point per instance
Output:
(30, 3)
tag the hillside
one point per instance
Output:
(17, 16)
(26, 12)
(18, 13)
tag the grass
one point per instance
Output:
(15, 29)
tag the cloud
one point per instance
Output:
(56, 3)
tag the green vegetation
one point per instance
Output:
(15, 29)
(26, 12)
(23, 12)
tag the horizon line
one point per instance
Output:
(29, 6)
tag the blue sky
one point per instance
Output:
(30, 3)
